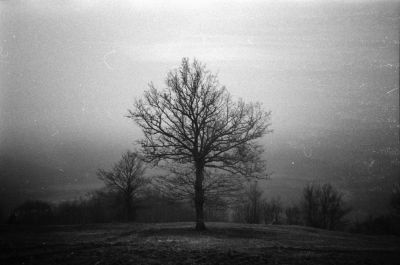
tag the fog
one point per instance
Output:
(328, 71)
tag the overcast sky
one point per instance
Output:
(69, 70)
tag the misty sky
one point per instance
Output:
(69, 70)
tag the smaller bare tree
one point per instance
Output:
(323, 206)
(126, 179)
(249, 208)
(272, 211)
(293, 215)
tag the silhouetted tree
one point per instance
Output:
(195, 121)
(272, 211)
(323, 206)
(126, 178)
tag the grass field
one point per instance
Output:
(179, 243)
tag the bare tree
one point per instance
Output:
(310, 205)
(254, 204)
(126, 178)
(195, 121)
(272, 211)
(248, 208)
(323, 206)
(293, 215)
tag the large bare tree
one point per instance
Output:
(126, 178)
(195, 120)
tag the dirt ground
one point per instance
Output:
(179, 243)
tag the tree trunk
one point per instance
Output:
(199, 197)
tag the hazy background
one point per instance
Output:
(328, 71)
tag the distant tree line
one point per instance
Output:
(128, 195)
(105, 206)
(383, 224)
(321, 206)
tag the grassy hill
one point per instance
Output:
(178, 243)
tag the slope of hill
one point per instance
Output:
(179, 243)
